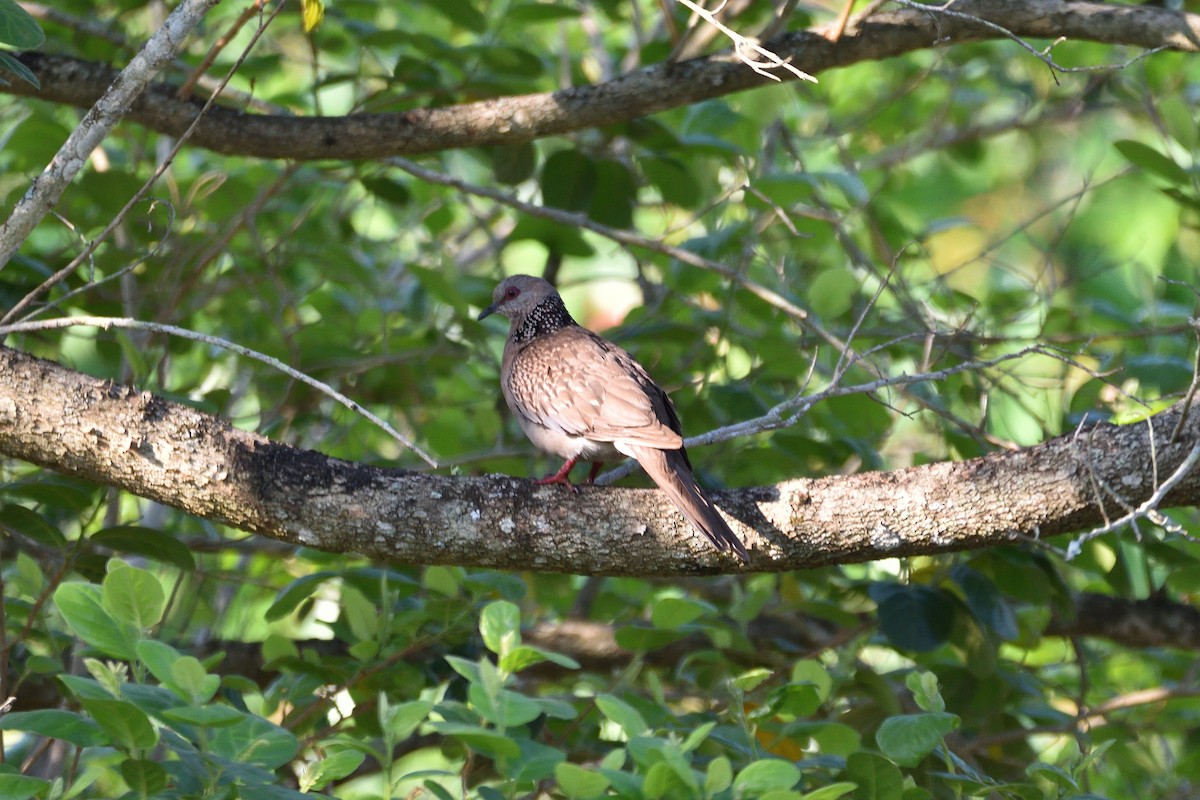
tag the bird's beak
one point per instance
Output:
(487, 312)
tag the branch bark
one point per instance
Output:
(117, 436)
(513, 120)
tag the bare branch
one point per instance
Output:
(743, 46)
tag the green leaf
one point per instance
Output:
(615, 195)
(675, 612)
(127, 726)
(675, 183)
(836, 739)
(751, 679)
(401, 720)
(189, 674)
(663, 781)
(986, 603)
(766, 774)
(500, 626)
(468, 669)
(520, 658)
(831, 792)
(84, 688)
(146, 542)
(144, 776)
(461, 13)
(719, 776)
(80, 604)
(924, 686)
(568, 180)
(21, 520)
(913, 617)
(331, 768)
(488, 742)
(360, 614)
(204, 716)
(512, 164)
(68, 726)
(624, 715)
(535, 763)
(159, 658)
(295, 593)
(908, 738)
(1150, 160)
(21, 787)
(559, 709)
(254, 740)
(387, 190)
(134, 596)
(813, 673)
(832, 291)
(877, 778)
(1056, 775)
(697, 737)
(531, 13)
(508, 709)
(575, 781)
(7, 61)
(18, 29)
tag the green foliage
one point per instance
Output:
(20, 31)
(936, 211)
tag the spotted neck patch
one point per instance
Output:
(548, 316)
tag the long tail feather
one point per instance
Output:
(669, 469)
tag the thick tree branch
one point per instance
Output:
(512, 120)
(117, 436)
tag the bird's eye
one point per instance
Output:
(511, 292)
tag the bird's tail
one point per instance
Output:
(669, 469)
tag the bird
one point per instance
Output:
(580, 397)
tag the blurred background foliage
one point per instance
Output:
(935, 210)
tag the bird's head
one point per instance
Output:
(517, 296)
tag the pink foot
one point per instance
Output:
(562, 476)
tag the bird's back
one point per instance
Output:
(575, 381)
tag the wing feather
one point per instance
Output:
(577, 383)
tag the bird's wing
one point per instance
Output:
(578, 383)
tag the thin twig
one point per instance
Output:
(1042, 55)
(742, 44)
(105, 323)
(790, 411)
(1189, 396)
(1146, 509)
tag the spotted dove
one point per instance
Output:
(582, 398)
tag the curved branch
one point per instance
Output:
(115, 435)
(513, 120)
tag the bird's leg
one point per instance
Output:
(593, 472)
(562, 476)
